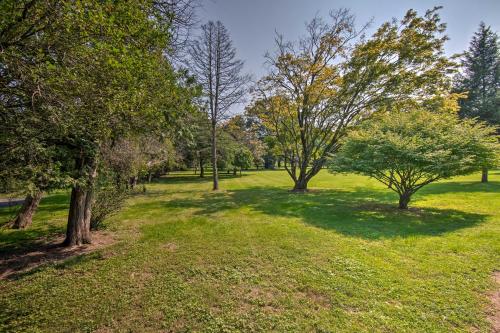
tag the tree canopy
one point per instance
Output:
(334, 78)
(408, 150)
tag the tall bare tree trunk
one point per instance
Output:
(215, 174)
(24, 217)
(484, 176)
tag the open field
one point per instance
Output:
(255, 257)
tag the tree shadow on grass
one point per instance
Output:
(368, 214)
(27, 261)
(186, 178)
(14, 240)
(461, 187)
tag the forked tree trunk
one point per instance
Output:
(300, 185)
(133, 182)
(215, 174)
(484, 176)
(404, 199)
(24, 217)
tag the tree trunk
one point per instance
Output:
(404, 199)
(300, 185)
(484, 176)
(78, 230)
(24, 217)
(202, 169)
(80, 208)
(215, 174)
(133, 182)
(234, 172)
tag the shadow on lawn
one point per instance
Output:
(461, 187)
(195, 179)
(361, 213)
(12, 240)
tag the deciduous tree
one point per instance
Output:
(408, 150)
(333, 78)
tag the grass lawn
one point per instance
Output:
(255, 257)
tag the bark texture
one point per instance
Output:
(80, 208)
(24, 217)
(78, 229)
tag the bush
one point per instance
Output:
(108, 200)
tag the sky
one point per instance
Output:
(252, 23)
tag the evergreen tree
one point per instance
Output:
(481, 80)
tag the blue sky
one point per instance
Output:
(252, 23)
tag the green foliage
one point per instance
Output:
(243, 158)
(332, 79)
(481, 77)
(108, 198)
(408, 150)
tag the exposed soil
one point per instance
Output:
(48, 252)
(494, 314)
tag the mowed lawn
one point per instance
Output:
(255, 257)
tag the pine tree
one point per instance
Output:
(481, 80)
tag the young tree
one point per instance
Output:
(481, 80)
(408, 150)
(242, 159)
(324, 83)
(214, 64)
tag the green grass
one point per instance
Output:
(256, 257)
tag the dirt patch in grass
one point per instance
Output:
(170, 247)
(316, 298)
(48, 252)
(494, 313)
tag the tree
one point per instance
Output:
(214, 64)
(326, 82)
(242, 159)
(96, 73)
(244, 132)
(481, 80)
(29, 163)
(408, 150)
